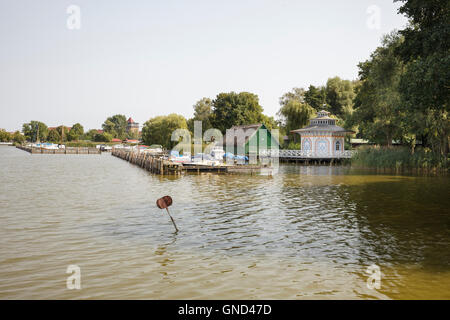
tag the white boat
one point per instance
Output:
(175, 157)
(48, 145)
(217, 153)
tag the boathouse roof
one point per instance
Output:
(322, 123)
(248, 135)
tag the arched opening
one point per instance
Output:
(338, 146)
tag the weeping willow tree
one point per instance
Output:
(295, 114)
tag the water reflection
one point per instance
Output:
(306, 232)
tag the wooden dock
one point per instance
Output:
(68, 150)
(309, 158)
(159, 165)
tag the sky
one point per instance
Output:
(147, 58)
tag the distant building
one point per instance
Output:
(132, 127)
(322, 138)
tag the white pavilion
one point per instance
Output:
(323, 138)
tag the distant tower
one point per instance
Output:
(132, 127)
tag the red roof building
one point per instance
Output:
(132, 126)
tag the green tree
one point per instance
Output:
(203, 113)
(339, 97)
(159, 130)
(424, 87)
(54, 136)
(35, 130)
(203, 110)
(76, 132)
(5, 136)
(132, 134)
(63, 132)
(377, 103)
(116, 126)
(90, 135)
(295, 114)
(297, 94)
(316, 97)
(17, 137)
(103, 137)
(232, 108)
(269, 122)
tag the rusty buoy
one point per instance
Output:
(164, 203)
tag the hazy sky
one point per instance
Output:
(146, 58)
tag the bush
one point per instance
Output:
(399, 158)
(292, 145)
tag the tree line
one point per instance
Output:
(223, 112)
(114, 127)
(15, 137)
(401, 94)
(404, 90)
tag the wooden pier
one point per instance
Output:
(68, 150)
(308, 158)
(159, 165)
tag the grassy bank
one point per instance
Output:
(399, 158)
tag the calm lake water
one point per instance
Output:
(306, 233)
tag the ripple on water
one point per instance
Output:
(308, 232)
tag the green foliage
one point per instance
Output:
(269, 122)
(298, 105)
(18, 138)
(232, 108)
(159, 130)
(339, 97)
(398, 158)
(35, 130)
(90, 135)
(292, 145)
(54, 136)
(88, 144)
(424, 86)
(134, 135)
(203, 113)
(377, 102)
(5, 136)
(116, 126)
(63, 132)
(316, 97)
(103, 137)
(76, 132)
(296, 94)
(295, 114)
